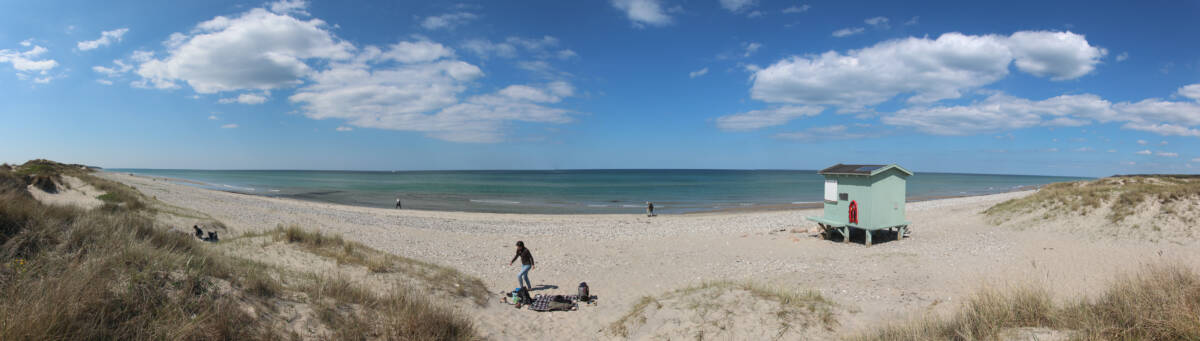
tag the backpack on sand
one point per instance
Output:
(583, 292)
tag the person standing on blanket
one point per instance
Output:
(526, 265)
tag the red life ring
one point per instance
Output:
(854, 212)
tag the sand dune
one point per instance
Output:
(953, 250)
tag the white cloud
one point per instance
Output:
(257, 50)
(540, 48)
(751, 48)
(566, 54)
(447, 21)
(1123, 56)
(1059, 55)
(1112, 150)
(698, 73)
(1163, 129)
(1083, 149)
(344, 128)
(758, 119)
(1156, 110)
(928, 69)
(1190, 91)
(29, 63)
(846, 32)
(229, 126)
(1142, 142)
(1167, 154)
(1144, 152)
(1196, 159)
(104, 81)
(414, 86)
(299, 7)
(835, 132)
(1003, 112)
(913, 21)
(213, 117)
(250, 99)
(1129, 163)
(106, 38)
(643, 12)
(797, 9)
(878, 22)
(755, 14)
(737, 5)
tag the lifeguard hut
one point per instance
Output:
(865, 197)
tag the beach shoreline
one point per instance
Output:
(409, 203)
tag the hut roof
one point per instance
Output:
(867, 170)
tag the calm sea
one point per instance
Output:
(572, 191)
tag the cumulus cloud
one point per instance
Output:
(1167, 154)
(104, 81)
(29, 63)
(1142, 142)
(417, 86)
(737, 6)
(796, 9)
(344, 128)
(1003, 112)
(846, 32)
(1144, 152)
(106, 38)
(928, 69)
(1190, 91)
(643, 12)
(229, 126)
(1123, 56)
(447, 21)
(539, 48)
(258, 50)
(698, 73)
(1059, 55)
(835, 132)
(245, 99)
(758, 119)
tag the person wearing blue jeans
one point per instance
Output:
(526, 265)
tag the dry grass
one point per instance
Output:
(1123, 194)
(113, 273)
(1158, 303)
(348, 252)
(794, 309)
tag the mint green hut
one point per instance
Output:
(866, 197)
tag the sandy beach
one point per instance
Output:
(952, 252)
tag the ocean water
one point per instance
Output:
(571, 191)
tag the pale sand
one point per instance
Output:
(952, 252)
(72, 192)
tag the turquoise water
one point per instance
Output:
(572, 191)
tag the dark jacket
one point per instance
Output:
(526, 257)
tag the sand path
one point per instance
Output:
(952, 252)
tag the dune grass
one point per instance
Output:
(113, 273)
(1161, 302)
(794, 309)
(1123, 194)
(335, 247)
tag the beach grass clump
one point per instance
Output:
(335, 247)
(354, 312)
(1122, 194)
(791, 310)
(1161, 302)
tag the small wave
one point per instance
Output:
(746, 204)
(804, 202)
(487, 201)
(274, 190)
(597, 205)
(630, 206)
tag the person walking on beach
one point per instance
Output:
(649, 209)
(526, 265)
(397, 203)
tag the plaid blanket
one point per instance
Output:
(549, 303)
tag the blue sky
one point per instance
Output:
(1056, 88)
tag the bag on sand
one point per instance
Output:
(583, 292)
(523, 296)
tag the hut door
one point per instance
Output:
(831, 190)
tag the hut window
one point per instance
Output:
(844, 196)
(831, 190)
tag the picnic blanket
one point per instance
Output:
(554, 303)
